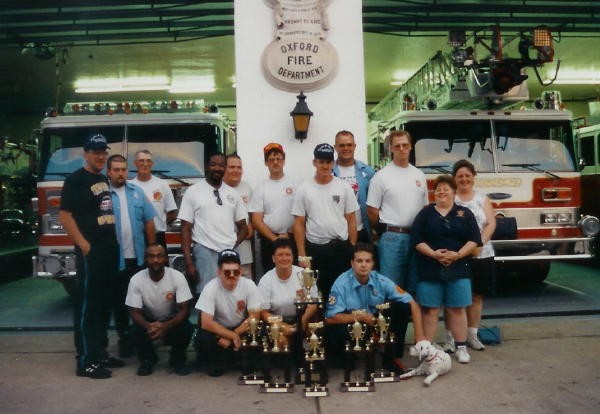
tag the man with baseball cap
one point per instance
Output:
(86, 214)
(271, 204)
(225, 304)
(325, 220)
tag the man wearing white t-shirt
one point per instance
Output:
(158, 299)
(225, 305)
(233, 178)
(271, 205)
(213, 219)
(396, 194)
(358, 175)
(325, 220)
(158, 192)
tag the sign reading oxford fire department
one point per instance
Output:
(300, 58)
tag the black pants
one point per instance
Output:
(177, 337)
(93, 299)
(331, 260)
(209, 353)
(119, 309)
(337, 335)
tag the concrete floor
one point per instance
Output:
(544, 365)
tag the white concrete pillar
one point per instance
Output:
(263, 110)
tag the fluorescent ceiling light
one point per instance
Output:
(576, 82)
(140, 84)
(124, 88)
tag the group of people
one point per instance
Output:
(429, 256)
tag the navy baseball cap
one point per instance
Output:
(323, 152)
(95, 142)
(228, 256)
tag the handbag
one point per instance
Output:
(490, 335)
(506, 228)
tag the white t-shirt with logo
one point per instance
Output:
(228, 307)
(160, 195)
(278, 295)
(324, 207)
(158, 299)
(274, 199)
(399, 193)
(348, 174)
(213, 224)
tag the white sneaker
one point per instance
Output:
(462, 355)
(474, 342)
(450, 346)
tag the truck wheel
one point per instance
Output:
(70, 286)
(534, 272)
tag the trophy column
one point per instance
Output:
(315, 384)
(385, 342)
(271, 351)
(361, 345)
(250, 354)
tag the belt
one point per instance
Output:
(397, 229)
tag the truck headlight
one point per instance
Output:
(589, 225)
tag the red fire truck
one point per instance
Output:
(179, 134)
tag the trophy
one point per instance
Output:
(250, 351)
(386, 342)
(357, 332)
(315, 371)
(272, 350)
(308, 278)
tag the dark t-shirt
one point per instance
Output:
(451, 232)
(87, 197)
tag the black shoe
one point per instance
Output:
(216, 372)
(126, 348)
(180, 368)
(146, 368)
(110, 362)
(95, 371)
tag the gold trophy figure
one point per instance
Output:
(308, 278)
(275, 331)
(253, 328)
(357, 330)
(314, 342)
(382, 324)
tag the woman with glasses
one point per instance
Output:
(445, 236)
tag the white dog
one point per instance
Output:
(434, 361)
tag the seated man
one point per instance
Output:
(158, 303)
(363, 288)
(226, 303)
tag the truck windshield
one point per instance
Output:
(546, 145)
(519, 145)
(178, 150)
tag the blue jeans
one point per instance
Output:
(205, 261)
(397, 260)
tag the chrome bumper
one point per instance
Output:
(544, 249)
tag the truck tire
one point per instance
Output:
(535, 272)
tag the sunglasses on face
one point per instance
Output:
(230, 272)
(219, 201)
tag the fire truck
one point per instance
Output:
(456, 107)
(180, 136)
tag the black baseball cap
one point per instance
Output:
(323, 152)
(95, 142)
(228, 256)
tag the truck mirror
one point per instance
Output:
(581, 163)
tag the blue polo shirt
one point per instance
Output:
(140, 211)
(347, 294)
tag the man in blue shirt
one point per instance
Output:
(362, 288)
(134, 216)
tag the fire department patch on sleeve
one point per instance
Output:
(170, 296)
(332, 300)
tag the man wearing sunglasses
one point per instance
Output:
(226, 304)
(213, 218)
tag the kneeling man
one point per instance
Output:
(362, 288)
(158, 304)
(225, 304)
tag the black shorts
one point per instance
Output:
(483, 276)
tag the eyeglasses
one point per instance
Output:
(230, 272)
(219, 201)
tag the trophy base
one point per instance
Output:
(283, 387)
(252, 379)
(357, 386)
(316, 391)
(384, 376)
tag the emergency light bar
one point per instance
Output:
(141, 107)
